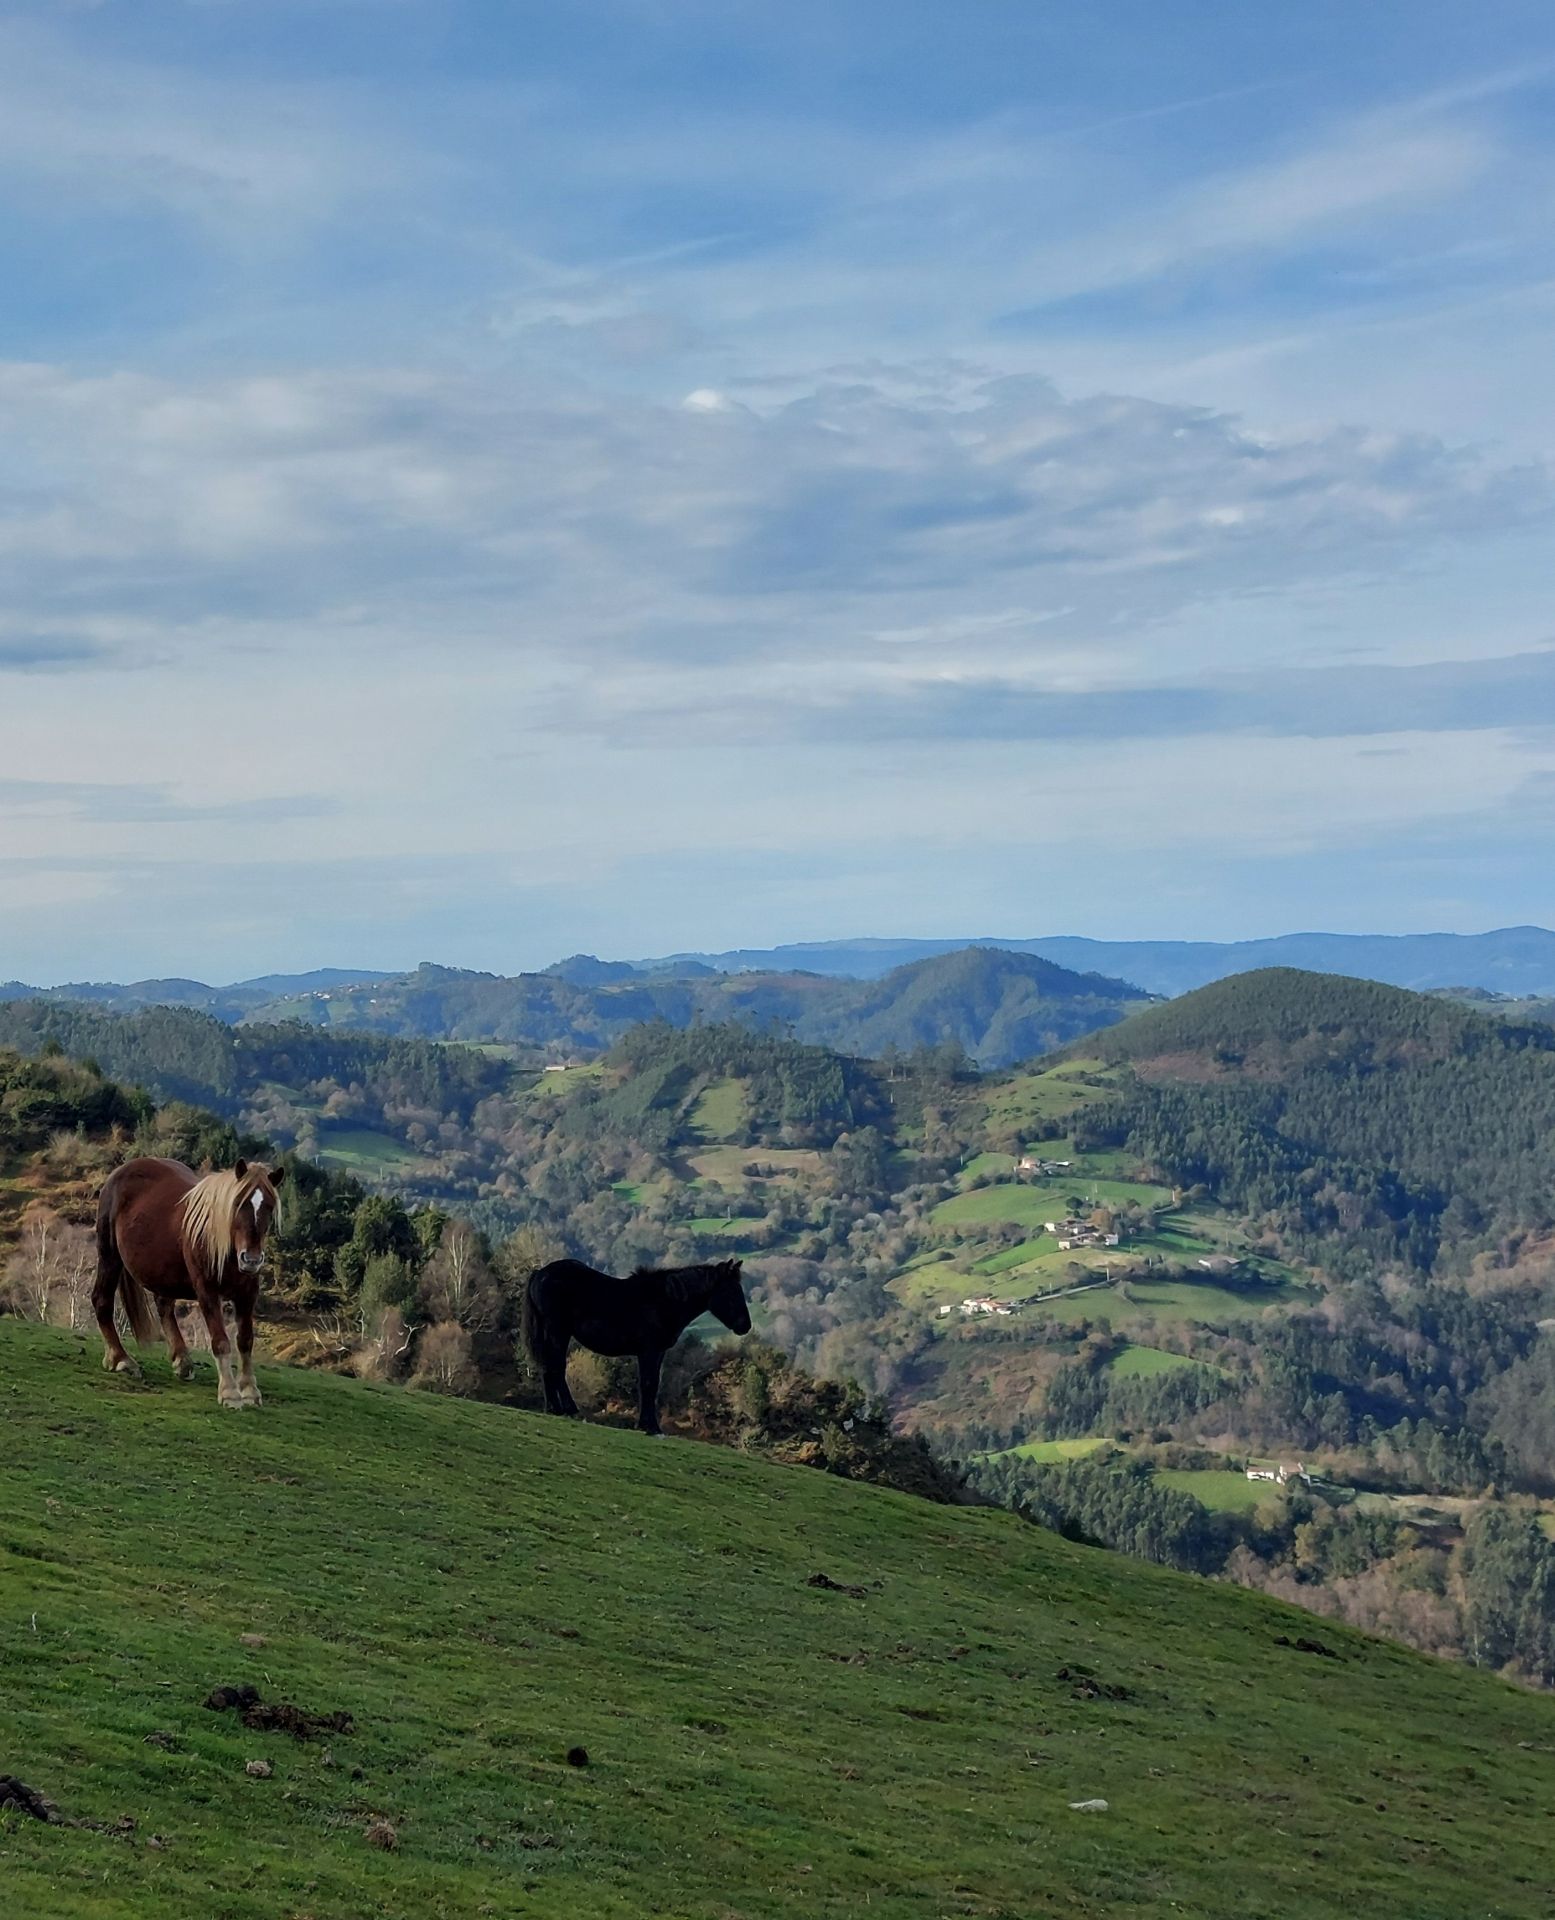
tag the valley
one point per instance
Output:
(1286, 1219)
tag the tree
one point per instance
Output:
(457, 1284)
(381, 1226)
(445, 1362)
(49, 1277)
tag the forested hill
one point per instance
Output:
(1378, 1127)
(997, 1007)
(1279, 1019)
(253, 1071)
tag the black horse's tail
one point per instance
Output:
(113, 1277)
(533, 1325)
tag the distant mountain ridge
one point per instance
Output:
(1516, 961)
(831, 991)
(996, 1007)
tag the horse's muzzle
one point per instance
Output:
(251, 1263)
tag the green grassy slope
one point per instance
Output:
(483, 1589)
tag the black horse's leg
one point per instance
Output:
(553, 1372)
(568, 1405)
(648, 1364)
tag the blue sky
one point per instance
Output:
(484, 481)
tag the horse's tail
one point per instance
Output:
(113, 1277)
(533, 1322)
(136, 1303)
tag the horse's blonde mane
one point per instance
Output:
(210, 1207)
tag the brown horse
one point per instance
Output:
(182, 1236)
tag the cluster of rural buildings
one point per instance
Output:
(1080, 1233)
(1283, 1474)
(1030, 1163)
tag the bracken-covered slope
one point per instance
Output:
(483, 1590)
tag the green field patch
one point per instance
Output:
(1143, 1363)
(931, 1283)
(1052, 1452)
(728, 1166)
(1026, 1254)
(1031, 1100)
(363, 1149)
(982, 1164)
(1017, 1205)
(1176, 1302)
(554, 1080)
(720, 1112)
(1222, 1490)
(1030, 1203)
(729, 1229)
(631, 1191)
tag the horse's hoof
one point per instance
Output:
(255, 1399)
(230, 1402)
(184, 1369)
(124, 1366)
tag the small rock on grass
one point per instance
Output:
(252, 1640)
(259, 1769)
(381, 1834)
(1087, 1806)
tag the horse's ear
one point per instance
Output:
(277, 1175)
(241, 1168)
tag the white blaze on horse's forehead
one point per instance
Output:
(256, 1200)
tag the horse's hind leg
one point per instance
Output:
(105, 1291)
(177, 1346)
(553, 1375)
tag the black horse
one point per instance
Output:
(645, 1314)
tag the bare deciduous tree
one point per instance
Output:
(458, 1285)
(445, 1361)
(49, 1276)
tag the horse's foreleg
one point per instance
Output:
(173, 1334)
(228, 1392)
(648, 1366)
(248, 1386)
(105, 1290)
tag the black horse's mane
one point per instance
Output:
(684, 1284)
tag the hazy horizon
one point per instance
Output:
(338, 965)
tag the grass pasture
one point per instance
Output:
(727, 1166)
(483, 1590)
(720, 1112)
(1143, 1363)
(1223, 1490)
(1027, 1203)
(929, 1283)
(1028, 1102)
(1053, 1452)
(361, 1150)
